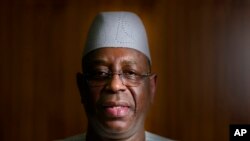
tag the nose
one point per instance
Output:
(115, 84)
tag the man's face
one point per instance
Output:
(112, 107)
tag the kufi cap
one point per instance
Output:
(117, 29)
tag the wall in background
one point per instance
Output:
(200, 51)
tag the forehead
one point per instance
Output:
(119, 56)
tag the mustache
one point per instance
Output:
(115, 100)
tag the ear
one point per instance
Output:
(153, 85)
(80, 85)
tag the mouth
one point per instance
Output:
(116, 109)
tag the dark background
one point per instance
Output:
(200, 50)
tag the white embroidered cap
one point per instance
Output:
(117, 29)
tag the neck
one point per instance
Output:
(93, 135)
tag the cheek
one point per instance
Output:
(142, 99)
(94, 95)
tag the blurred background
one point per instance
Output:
(200, 51)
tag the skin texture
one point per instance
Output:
(102, 126)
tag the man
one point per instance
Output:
(116, 86)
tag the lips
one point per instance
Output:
(116, 109)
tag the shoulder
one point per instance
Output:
(154, 137)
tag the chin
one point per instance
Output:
(116, 130)
(116, 126)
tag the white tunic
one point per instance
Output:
(149, 137)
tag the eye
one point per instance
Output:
(99, 74)
(130, 74)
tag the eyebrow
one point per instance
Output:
(103, 62)
(96, 62)
(129, 62)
